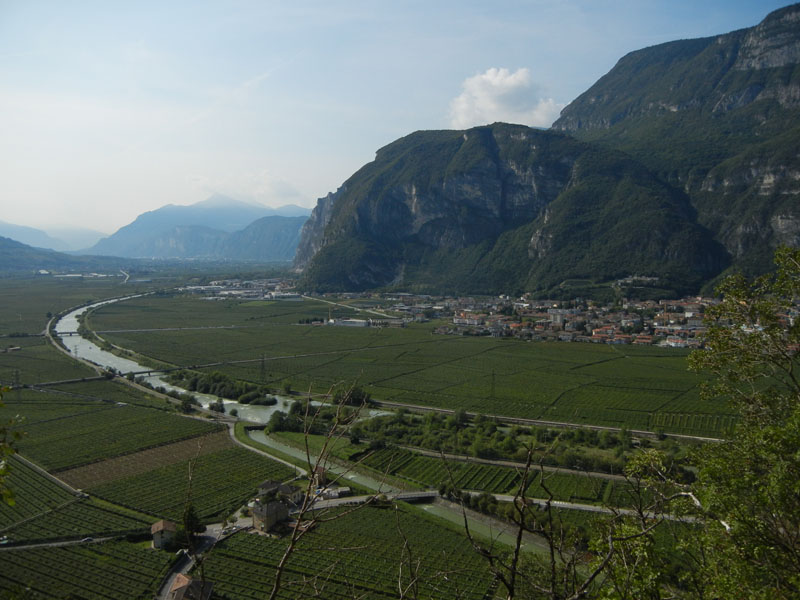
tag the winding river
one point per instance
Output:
(67, 330)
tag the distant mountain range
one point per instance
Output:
(219, 227)
(686, 163)
(18, 258)
(62, 239)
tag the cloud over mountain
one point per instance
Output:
(501, 95)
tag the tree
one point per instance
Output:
(191, 521)
(750, 484)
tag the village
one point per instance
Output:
(673, 323)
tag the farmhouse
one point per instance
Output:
(163, 533)
(186, 588)
(276, 488)
(267, 514)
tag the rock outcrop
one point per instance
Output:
(501, 208)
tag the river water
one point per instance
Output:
(67, 328)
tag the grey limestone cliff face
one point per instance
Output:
(772, 43)
(454, 207)
(312, 235)
(722, 73)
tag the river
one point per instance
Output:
(67, 327)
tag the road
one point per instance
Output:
(354, 308)
(232, 430)
(509, 463)
(205, 542)
(58, 544)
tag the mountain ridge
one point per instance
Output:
(692, 143)
(204, 229)
(718, 117)
(488, 210)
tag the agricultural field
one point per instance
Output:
(432, 472)
(357, 555)
(34, 494)
(44, 510)
(618, 386)
(92, 571)
(37, 361)
(216, 484)
(62, 436)
(25, 303)
(127, 465)
(112, 391)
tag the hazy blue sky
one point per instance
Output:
(109, 109)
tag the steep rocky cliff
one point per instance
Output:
(718, 117)
(688, 162)
(502, 208)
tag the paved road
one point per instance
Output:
(232, 431)
(355, 308)
(205, 542)
(73, 542)
(508, 463)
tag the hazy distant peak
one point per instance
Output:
(30, 236)
(222, 201)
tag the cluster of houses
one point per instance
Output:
(676, 323)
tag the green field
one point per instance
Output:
(44, 510)
(359, 555)
(216, 484)
(432, 472)
(91, 571)
(620, 386)
(38, 362)
(63, 431)
(24, 303)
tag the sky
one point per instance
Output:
(112, 108)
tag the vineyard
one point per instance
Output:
(24, 303)
(112, 391)
(76, 520)
(109, 429)
(127, 465)
(38, 362)
(358, 555)
(619, 386)
(45, 510)
(432, 472)
(34, 494)
(89, 571)
(220, 482)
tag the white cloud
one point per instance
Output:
(500, 95)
